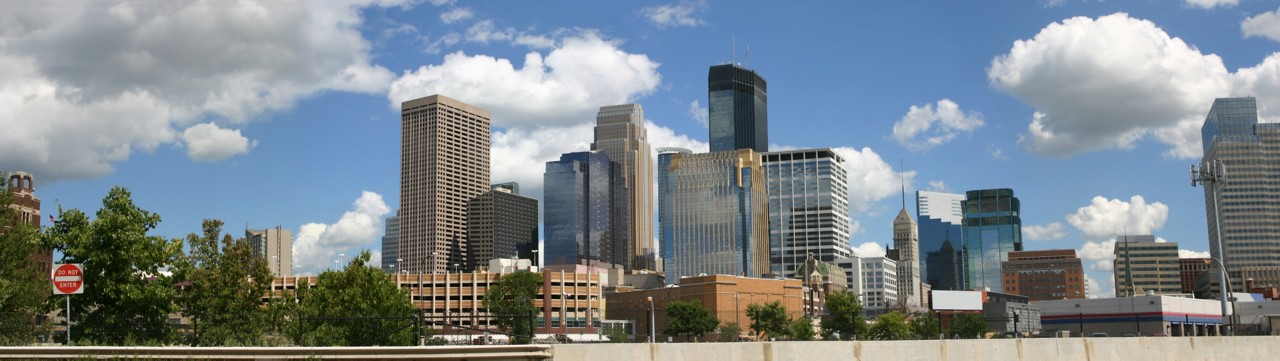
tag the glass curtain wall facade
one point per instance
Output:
(666, 183)
(808, 208)
(992, 229)
(716, 204)
(390, 245)
(621, 135)
(1249, 198)
(939, 218)
(738, 109)
(584, 220)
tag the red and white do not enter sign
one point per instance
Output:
(68, 279)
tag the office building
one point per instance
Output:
(444, 163)
(1189, 269)
(666, 227)
(1247, 199)
(274, 245)
(621, 135)
(876, 279)
(938, 222)
(808, 207)
(738, 109)
(585, 220)
(717, 210)
(501, 223)
(391, 245)
(1053, 274)
(725, 296)
(906, 246)
(25, 201)
(992, 228)
(1142, 265)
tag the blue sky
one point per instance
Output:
(283, 113)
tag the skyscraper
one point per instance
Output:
(716, 205)
(738, 107)
(1248, 198)
(621, 135)
(939, 218)
(666, 184)
(907, 245)
(585, 219)
(391, 245)
(444, 162)
(808, 207)
(992, 229)
(501, 223)
(1046, 275)
(274, 245)
(1143, 265)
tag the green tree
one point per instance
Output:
(844, 316)
(968, 325)
(128, 295)
(925, 325)
(617, 335)
(730, 331)
(689, 318)
(356, 306)
(510, 301)
(768, 320)
(802, 329)
(223, 295)
(23, 287)
(890, 326)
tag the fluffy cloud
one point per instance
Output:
(456, 15)
(938, 186)
(1104, 218)
(1182, 253)
(1106, 83)
(85, 84)
(317, 245)
(870, 178)
(1209, 4)
(1263, 82)
(1047, 232)
(869, 249)
(683, 13)
(1099, 253)
(206, 142)
(938, 125)
(521, 154)
(1094, 289)
(564, 88)
(1266, 25)
(699, 113)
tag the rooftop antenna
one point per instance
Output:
(903, 180)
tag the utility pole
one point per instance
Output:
(1211, 175)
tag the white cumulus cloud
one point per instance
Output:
(936, 124)
(1183, 253)
(683, 13)
(1098, 254)
(699, 113)
(869, 249)
(1263, 82)
(1095, 289)
(938, 186)
(1046, 232)
(206, 142)
(1105, 83)
(1209, 4)
(564, 88)
(871, 179)
(84, 84)
(456, 15)
(317, 245)
(1266, 25)
(1104, 217)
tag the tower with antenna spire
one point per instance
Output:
(906, 243)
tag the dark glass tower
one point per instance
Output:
(585, 219)
(939, 216)
(739, 114)
(992, 229)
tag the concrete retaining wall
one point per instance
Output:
(1127, 349)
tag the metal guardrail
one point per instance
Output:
(496, 353)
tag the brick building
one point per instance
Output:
(1191, 268)
(1054, 274)
(28, 205)
(726, 297)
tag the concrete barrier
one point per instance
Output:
(493, 353)
(1048, 349)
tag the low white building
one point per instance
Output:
(875, 278)
(1154, 315)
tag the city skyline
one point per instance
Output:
(316, 126)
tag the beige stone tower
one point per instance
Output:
(906, 241)
(444, 163)
(621, 135)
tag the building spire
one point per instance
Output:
(903, 180)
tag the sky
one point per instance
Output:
(286, 113)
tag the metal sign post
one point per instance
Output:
(68, 279)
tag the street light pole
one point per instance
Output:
(653, 337)
(1211, 175)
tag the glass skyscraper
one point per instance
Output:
(714, 213)
(1249, 198)
(666, 228)
(939, 217)
(621, 135)
(808, 208)
(739, 114)
(992, 228)
(585, 219)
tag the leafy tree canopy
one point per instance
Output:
(223, 290)
(968, 325)
(356, 306)
(23, 284)
(925, 325)
(689, 318)
(802, 329)
(844, 316)
(768, 320)
(890, 326)
(510, 301)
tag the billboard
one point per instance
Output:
(957, 300)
